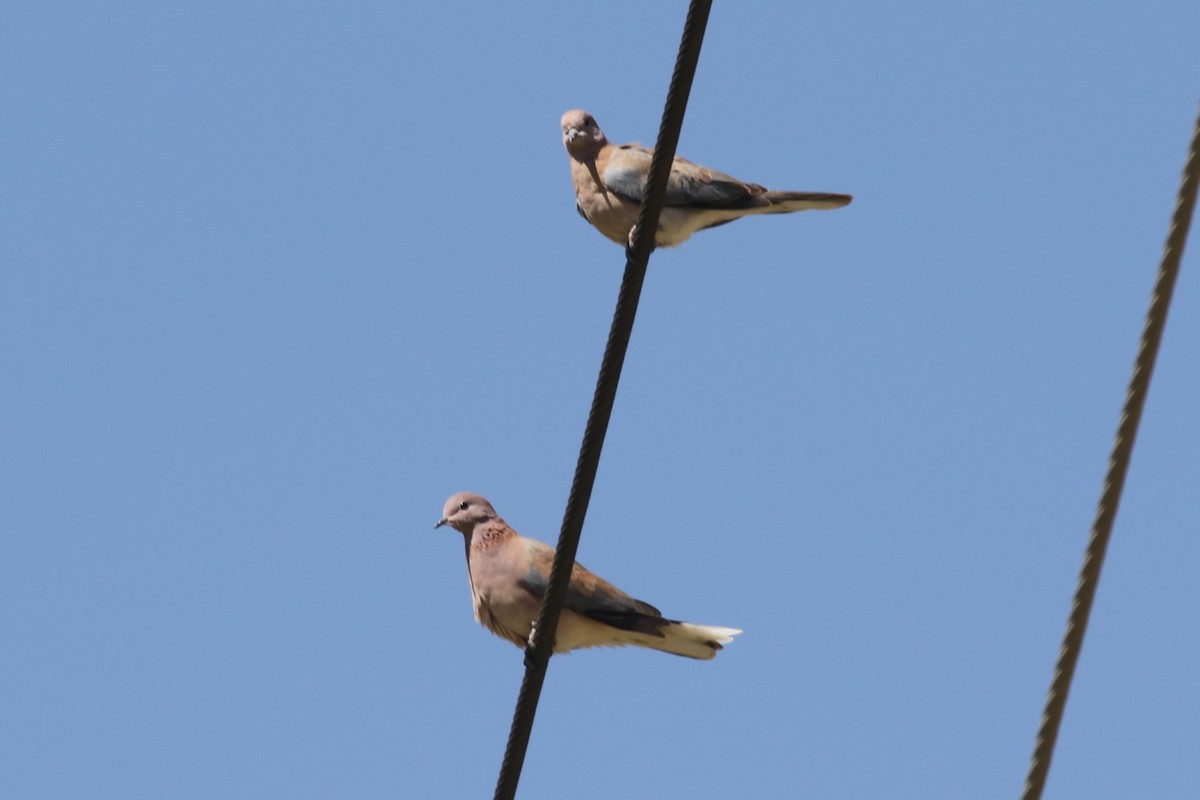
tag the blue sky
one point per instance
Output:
(278, 279)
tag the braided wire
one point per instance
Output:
(1114, 480)
(637, 256)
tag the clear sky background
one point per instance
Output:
(279, 278)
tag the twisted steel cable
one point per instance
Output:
(1114, 480)
(637, 256)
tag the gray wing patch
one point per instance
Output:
(625, 174)
(690, 185)
(618, 610)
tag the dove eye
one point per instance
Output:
(463, 505)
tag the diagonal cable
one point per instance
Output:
(1118, 465)
(637, 256)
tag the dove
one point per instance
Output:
(509, 573)
(610, 183)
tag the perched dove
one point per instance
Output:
(610, 182)
(509, 574)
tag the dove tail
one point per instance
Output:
(785, 202)
(692, 641)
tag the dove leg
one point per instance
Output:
(530, 644)
(629, 244)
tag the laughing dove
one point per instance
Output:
(610, 182)
(509, 573)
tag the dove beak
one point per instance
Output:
(573, 134)
(441, 522)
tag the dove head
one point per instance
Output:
(581, 135)
(464, 511)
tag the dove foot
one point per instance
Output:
(629, 244)
(530, 644)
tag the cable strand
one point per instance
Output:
(637, 255)
(1118, 467)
